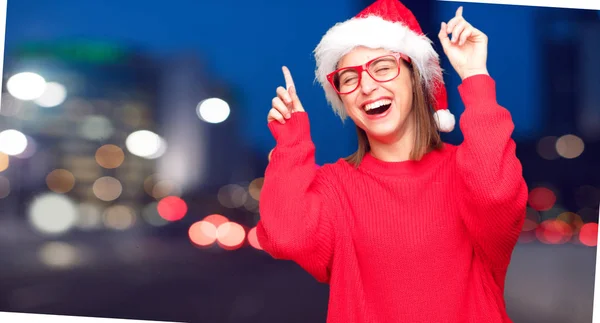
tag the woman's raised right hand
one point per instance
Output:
(286, 102)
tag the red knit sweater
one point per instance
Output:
(415, 241)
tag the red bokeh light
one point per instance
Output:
(588, 234)
(172, 208)
(216, 219)
(253, 240)
(554, 232)
(203, 233)
(231, 235)
(541, 199)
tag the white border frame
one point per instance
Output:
(7, 317)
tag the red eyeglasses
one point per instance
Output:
(382, 69)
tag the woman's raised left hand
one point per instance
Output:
(467, 49)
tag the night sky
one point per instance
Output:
(246, 43)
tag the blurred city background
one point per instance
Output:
(133, 142)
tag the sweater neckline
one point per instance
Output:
(372, 164)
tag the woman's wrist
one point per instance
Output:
(468, 73)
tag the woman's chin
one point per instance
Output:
(382, 132)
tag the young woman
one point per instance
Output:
(408, 228)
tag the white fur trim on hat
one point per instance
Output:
(444, 120)
(374, 32)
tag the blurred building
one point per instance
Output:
(200, 119)
(557, 163)
(96, 95)
(114, 133)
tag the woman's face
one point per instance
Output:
(382, 109)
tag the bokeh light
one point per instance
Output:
(541, 198)
(119, 217)
(252, 205)
(202, 233)
(150, 182)
(30, 150)
(253, 239)
(553, 231)
(52, 213)
(145, 144)
(232, 196)
(213, 110)
(60, 181)
(546, 148)
(255, 187)
(4, 162)
(572, 219)
(569, 146)
(107, 188)
(172, 208)
(164, 188)
(58, 255)
(12, 142)
(231, 235)
(95, 127)
(90, 216)
(162, 149)
(53, 95)
(588, 235)
(110, 156)
(26, 86)
(216, 219)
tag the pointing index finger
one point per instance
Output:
(459, 11)
(289, 81)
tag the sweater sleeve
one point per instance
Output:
(495, 192)
(297, 201)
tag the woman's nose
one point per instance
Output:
(367, 83)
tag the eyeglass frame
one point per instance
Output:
(364, 68)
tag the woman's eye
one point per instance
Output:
(349, 80)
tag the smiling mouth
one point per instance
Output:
(378, 107)
(379, 110)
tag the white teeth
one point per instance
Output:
(377, 104)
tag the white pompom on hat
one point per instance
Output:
(386, 24)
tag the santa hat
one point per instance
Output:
(386, 24)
